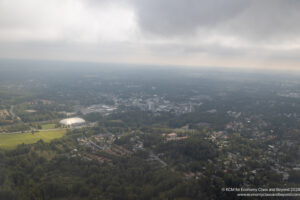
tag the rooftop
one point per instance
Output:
(71, 121)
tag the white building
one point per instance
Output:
(72, 121)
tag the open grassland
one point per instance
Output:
(10, 141)
(48, 126)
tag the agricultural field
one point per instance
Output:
(10, 141)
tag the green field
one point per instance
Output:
(48, 126)
(10, 141)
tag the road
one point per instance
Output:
(155, 157)
(45, 130)
(11, 111)
(37, 130)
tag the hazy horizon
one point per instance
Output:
(30, 64)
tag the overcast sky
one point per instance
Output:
(234, 33)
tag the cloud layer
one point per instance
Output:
(251, 33)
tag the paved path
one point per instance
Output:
(13, 114)
(155, 157)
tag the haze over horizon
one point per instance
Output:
(251, 33)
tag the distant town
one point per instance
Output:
(190, 132)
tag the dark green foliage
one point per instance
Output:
(193, 148)
(61, 177)
(295, 176)
(8, 195)
(93, 117)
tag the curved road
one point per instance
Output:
(11, 111)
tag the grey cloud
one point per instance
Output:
(268, 20)
(186, 30)
(250, 19)
(216, 49)
(172, 17)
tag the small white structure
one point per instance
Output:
(72, 121)
(172, 135)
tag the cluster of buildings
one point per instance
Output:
(137, 143)
(267, 155)
(40, 101)
(193, 175)
(99, 108)
(87, 156)
(4, 113)
(160, 104)
(173, 137)
(102, 143)
(5, 119)
(153, 103)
